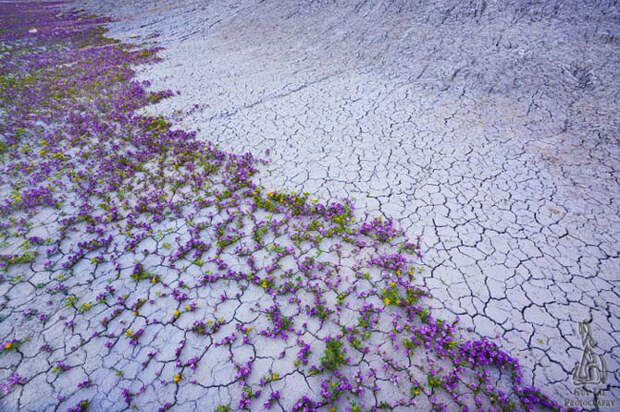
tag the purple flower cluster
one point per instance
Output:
(11, 381)
(383, 231)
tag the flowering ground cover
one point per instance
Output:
(143, 267)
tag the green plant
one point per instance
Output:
(334, 356)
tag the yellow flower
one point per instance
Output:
(177, 377)
(386, 300)
(176, 313)
(264, 284)
(8, 345)
(274, 376)
(128, 332)
(392, 284)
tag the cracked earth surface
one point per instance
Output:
(493, 134)
(492, 131)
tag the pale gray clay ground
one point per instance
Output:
(492, 129)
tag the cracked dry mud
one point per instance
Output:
(491, 131)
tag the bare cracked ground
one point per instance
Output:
(491, 130)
